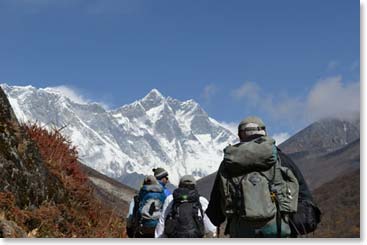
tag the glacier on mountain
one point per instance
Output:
(155, 131)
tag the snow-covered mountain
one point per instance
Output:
(155, 131)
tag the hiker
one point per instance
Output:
(162, 176)
(259, 190)
(146, 209)
(183, 214)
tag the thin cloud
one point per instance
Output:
(329, 97)
(248, 90)
(75, 95)
(279, 107)
(71, 93)
(209, 92)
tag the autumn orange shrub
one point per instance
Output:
(80, 214)
(11, 211)
(58, 154)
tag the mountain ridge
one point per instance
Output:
(155, 131)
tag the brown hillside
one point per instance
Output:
(335, 164)
(339, 201)
(110, 192)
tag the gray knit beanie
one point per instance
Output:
(160, 173)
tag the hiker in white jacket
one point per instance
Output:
(185, 198)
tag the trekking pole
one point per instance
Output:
(218, 231)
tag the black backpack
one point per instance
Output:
(131, 231)
(184, 221)
(308, 215)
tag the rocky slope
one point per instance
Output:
(45, 192)
(329, 146)
(321, 137)
(322, 169)
(22, 170)
(110, 192)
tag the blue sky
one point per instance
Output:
(290, 62)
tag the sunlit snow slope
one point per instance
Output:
(151, 132)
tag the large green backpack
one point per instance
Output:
(255, 187)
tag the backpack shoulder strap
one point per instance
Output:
(136, 216)
(199, 207)
(199, 220)
(174, 209)
(136, 205)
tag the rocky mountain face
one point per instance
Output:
(321, 137)
(128, 142)
(23, 174)
(329, 146)
(22, 171)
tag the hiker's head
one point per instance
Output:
(187, 181)
(161, 174)
(251, 127)
(150, 180)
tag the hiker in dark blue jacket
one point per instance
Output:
(162, 176)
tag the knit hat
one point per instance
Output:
(252, 125)
(187, 180)
(160, 173)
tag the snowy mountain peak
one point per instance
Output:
(152, 132)
(154, 93)
(13, 88)
(153, 99)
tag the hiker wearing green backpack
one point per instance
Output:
(259, 190)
